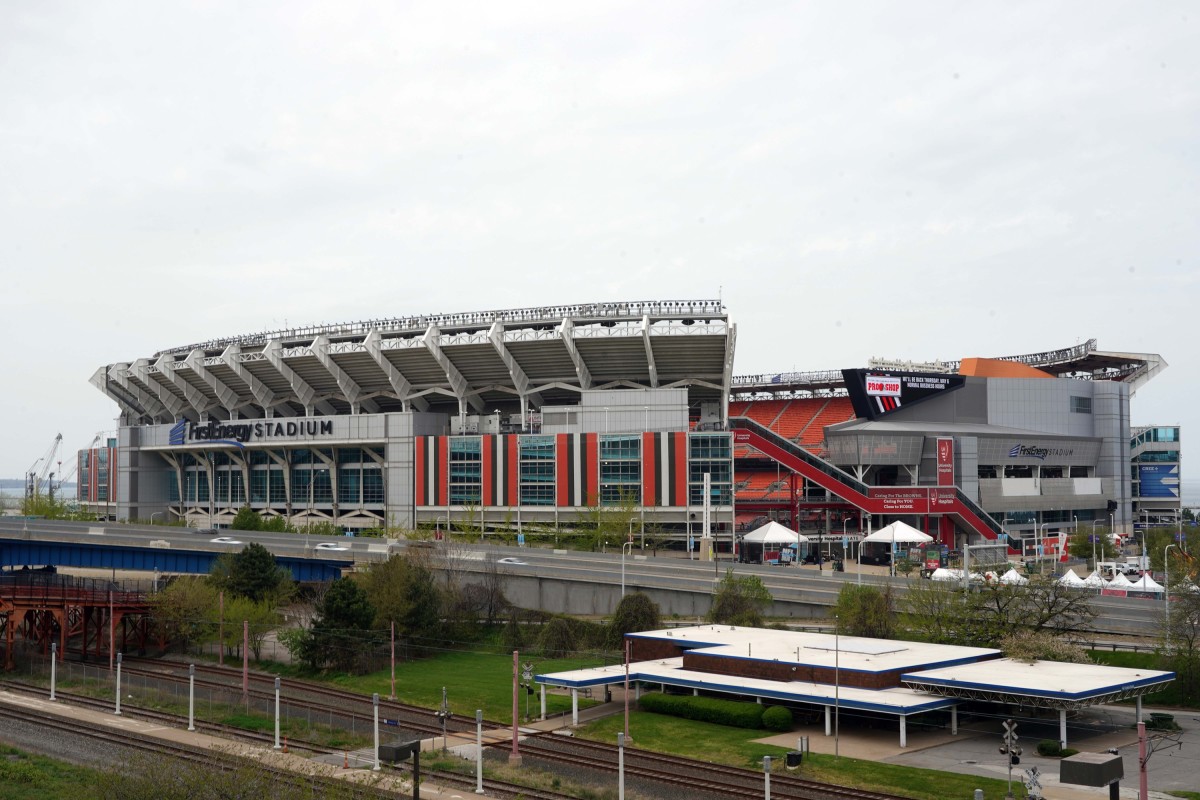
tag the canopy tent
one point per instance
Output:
(898, 532)
(944, 574)
(1012, 576)
(1146, 584)
(773, 533)
(1095, 581)
(1071, 579)
(1120, 582)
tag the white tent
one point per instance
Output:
(898, 532)
(1146, 584)
(1120, 582)
(1095, 581)
(943, 574)
(1012, 576)
(1071, 579)
(773, 533)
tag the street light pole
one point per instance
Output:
(630, 546)
(1167, 587)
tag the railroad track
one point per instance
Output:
(666, 770)
(142, 743)
(209, 759)
(697, 776)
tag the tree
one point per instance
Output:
(341, 628)
(942, 612)
(1181, 643)
(636, 612)
(403, 590)
(247, 519)
(262, 618)
(739, 600)
(1025, 645)
(186, 610)
(252, 573)
(865, 611)
(557, 639)
(611, 522)
(935, 611)
(1081, 544)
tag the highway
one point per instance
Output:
(792, 587)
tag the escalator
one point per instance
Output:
(947, 501)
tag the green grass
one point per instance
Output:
(472, 680)
(1170, 696)
(30, 777)
(736, 747)
(1186, 795)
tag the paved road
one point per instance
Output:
(670, 571)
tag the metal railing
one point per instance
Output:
(633, 310)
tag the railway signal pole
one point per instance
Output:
(1010, 749)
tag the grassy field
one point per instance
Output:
(29, 777)
(472, 680)
(736, 747)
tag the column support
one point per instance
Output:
(954, 720)
(828, 721)
(574, 707)
(903, 730)
(1062, 728)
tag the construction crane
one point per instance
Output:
(33, 478)
(69, 475)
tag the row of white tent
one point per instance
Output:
(774, 533)
(1093, 581)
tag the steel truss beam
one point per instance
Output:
(262, 393)
(400, 384)
(140, 369)
(232, 402)
(352, 393)
(462, 389)
(567, 332)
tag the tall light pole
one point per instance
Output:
(1167, 587)
(1041, 544)
(837, 704)
(623, 546)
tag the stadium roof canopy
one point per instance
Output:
(476, 362)
(1083, 361)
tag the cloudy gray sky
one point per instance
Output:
(912, 180)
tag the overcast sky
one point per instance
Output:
(909, 180)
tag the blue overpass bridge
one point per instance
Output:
(60, 545)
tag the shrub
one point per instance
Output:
(1049, 748)
(705, 709)
(1067, 752)
(777, 718)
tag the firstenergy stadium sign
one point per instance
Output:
(876, 393)
(238, 433)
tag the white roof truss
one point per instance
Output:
(351, 391)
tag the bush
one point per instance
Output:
(777, 718)
(1049, 748)
(705, 709)
(1067, 752)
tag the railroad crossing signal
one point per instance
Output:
(1011, 749)
(1033, 783)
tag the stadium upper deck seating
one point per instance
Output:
(837, 409)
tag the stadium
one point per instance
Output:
(527, 419)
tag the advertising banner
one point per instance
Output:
(874, 393)
(902, 501)
(945, 461)
(1158, 480)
